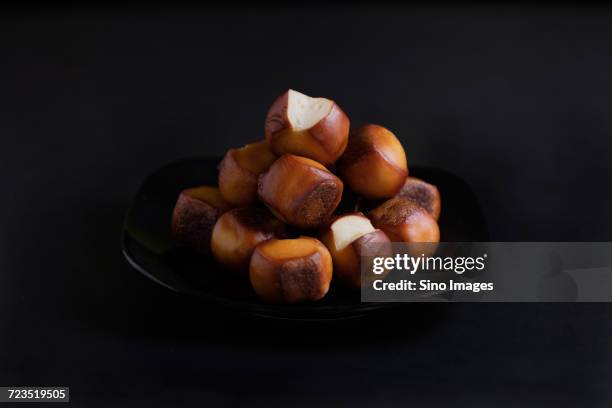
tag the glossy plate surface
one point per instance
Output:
(149, 247)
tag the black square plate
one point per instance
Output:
(149, 247)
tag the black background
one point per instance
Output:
(514, 100)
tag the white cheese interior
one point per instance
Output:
(349, 228)
(304, 112)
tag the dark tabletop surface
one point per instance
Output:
(515, 101)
